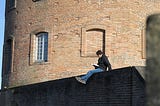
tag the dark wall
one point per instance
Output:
(138, 89)
(120, 87)
(2, 98)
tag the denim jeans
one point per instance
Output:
(90, 73)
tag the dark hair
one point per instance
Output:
(99, 52)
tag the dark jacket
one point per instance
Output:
(103, 63)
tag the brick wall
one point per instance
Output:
(67, 23)
(121, 87)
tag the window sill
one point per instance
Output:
(40, 63)
(11, 9)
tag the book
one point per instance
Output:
(96, 65)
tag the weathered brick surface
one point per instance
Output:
(123, 21)
(121, 87)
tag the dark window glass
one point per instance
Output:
(8, 56)
(12, 4)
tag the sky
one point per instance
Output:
(2, 21)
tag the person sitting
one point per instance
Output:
(102, 65)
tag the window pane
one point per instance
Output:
(11, 4)
(45, 47)
(42, 47)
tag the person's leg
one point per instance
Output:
(90, 73)
(80, 80)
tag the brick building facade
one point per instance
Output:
(54, 39)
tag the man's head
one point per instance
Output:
(99, 53)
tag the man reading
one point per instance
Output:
(103, 65)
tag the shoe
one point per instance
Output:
(80, 80)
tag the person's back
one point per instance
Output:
(103, 63)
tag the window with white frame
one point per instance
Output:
(41, 51)
(12, 4)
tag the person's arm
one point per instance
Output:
(96, 66)
(107, 63)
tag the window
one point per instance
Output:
(12, 4)
(41, 51)
(39, 47)
(8, 59)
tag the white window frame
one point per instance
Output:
(12, 6)
(41, 44)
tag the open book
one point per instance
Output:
(96, 65)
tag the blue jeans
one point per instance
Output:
(90, 73)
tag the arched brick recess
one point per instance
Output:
(93, 39)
